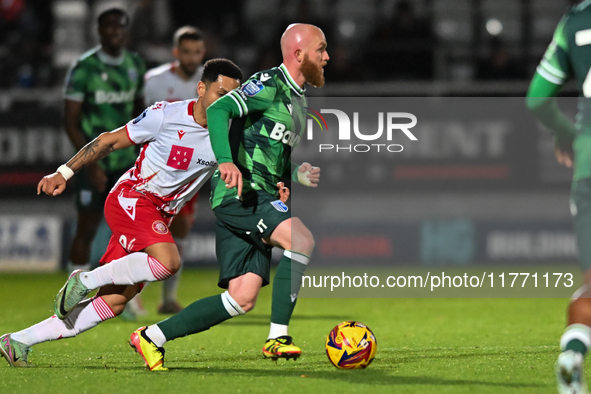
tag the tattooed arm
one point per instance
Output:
(97, 149)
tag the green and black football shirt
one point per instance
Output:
(267, 114)
(569, 56)
(107, 88)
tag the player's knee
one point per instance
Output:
(246, 302)
(118, 309)
(171, 262)
(248, 305)
(237, 304)
(304, 243)
(175, 265)
(309, 244)
(303, 240)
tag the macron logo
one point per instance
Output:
(181, 134)
(265, 77)
(128, 205)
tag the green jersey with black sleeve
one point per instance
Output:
(567, 56)
(267, 114)
(107, 88)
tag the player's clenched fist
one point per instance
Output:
(308, 175)
(283, 192)
(52, 185)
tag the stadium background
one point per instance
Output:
(462, 198)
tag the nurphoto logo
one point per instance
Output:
(394, 122)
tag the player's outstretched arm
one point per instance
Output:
(308, 175)
(97, 149)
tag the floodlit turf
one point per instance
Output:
(424, 346)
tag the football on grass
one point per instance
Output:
(351, 345)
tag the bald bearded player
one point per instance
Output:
(253, 155)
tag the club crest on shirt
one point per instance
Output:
(253, 87)
(160, 227)
(280, 206)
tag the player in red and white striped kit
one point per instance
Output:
(172, 82)
(175, 161)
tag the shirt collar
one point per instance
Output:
(290, 80)
(110, 60)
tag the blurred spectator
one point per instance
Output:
(402, 46)
(501, 64)
(26, 28)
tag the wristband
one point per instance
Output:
(66, 171)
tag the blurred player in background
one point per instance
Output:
(569, 55)
(174, 82)
(267, 120)
(104, 89)
(175, 161)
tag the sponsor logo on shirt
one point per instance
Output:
(102, 97)
(180, 157)
(202, 162)
(253, 87)
(279, 133)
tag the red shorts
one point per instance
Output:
(135, 222)
(189, 208)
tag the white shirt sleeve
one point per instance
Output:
(146, 127)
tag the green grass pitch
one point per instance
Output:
(424, 346)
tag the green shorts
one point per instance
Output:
(580, 207)
(88, 199)
(240, 228)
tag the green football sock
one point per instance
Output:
(286, 285)
(576, 337)
(576, 345)
(200, 316)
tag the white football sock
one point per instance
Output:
(278, 330)
(86, 315)
(576, 331)
(134, 268)
(156, 335)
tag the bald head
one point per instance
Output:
(299, 36)
(304, 53)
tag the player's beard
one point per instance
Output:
(312, 72)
